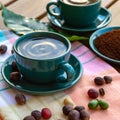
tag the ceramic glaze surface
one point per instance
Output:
(31, 88)
(41, 48)
(79, 2)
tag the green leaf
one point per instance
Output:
(22, 25)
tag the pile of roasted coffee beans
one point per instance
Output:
(75, 113)
(3, 49)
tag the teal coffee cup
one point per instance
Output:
(42, 57)
(75, 13)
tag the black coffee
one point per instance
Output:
(42, 48)
(79, 2)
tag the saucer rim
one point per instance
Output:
(84, 29)
(63, 87)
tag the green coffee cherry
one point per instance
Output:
(93, 104)
(103, 104)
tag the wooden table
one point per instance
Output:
(37, 9)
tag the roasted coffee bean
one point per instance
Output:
(102, 91)
(67, 108)
(12, 51)
(99, 81)
(92, 93)
(14, 66)
(20, 99)
(36, 114)
(29, 118)
(108, 79)
(15, 76)
(74, 115)
(3, 49)
(79, 108)
(84, 115)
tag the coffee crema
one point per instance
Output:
(41, 48)
(79, 2)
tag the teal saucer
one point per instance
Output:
(31, 88)
(103, 20)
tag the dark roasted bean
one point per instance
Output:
(3, 49)
(15, 76)
(108, 79)
(14, 66)
(99, 81)
(20, 99)
(102, 91)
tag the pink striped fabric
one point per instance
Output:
(93, 66)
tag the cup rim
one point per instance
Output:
(82, 5)
(28, 36)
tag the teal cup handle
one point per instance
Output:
(51, 12)
(66, 68)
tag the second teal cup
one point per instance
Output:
(75, 15)
(42, 57)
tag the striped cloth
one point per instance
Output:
(93, 66)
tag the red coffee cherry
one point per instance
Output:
(46, 113)
(92, 93)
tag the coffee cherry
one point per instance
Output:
(93, 104)
(79, 108)
(3, 49)
(29, 118)
(20, 99)
(103, 104)
(74, 115)
(67, 108)
(84, 115)
(108, 79)
(99, 81)
(92, 93)
(15, 76)
(46, 113)
(36, 114)
(14, 66)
